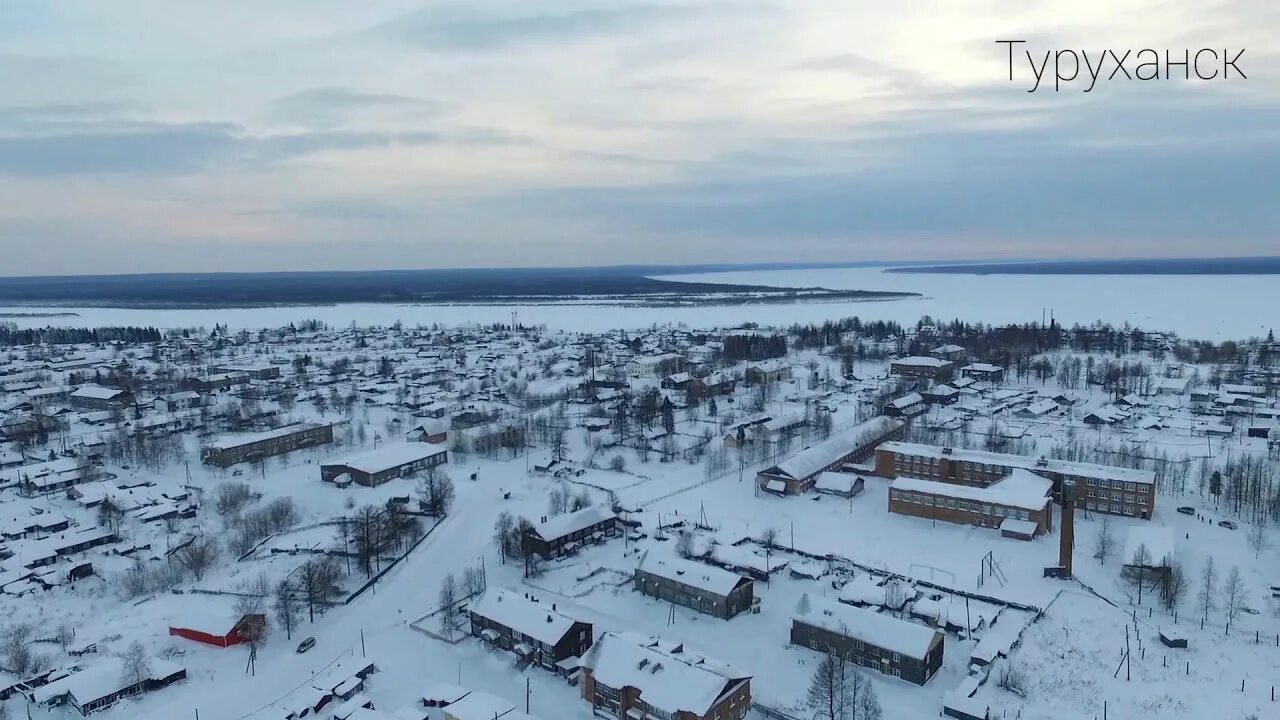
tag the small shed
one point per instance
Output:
(839, 483)
(963, 707)
(1018, 529)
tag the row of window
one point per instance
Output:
(1140, 499)
(1113, 508)
(965, 505)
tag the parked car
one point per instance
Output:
(306, 645)
(1227, 524)
(1187, 510)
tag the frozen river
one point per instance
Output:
(1216, 307)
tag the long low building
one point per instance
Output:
(1102, 488)
(385, 463)
(233, 449)
(564, 533)
(705, 588)
(1021, 495)
(799, 472)
(883, 643)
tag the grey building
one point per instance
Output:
(897, 648)
(705, 588)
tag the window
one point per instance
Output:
(1142, 499)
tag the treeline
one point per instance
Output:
(11, 336)
(1010, 345)
(754, 347)
(832, 331)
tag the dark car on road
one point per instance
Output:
(1227, 524)
(306, 645)
(1187, 510)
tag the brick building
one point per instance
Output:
(1101, 488)
(1021, 495)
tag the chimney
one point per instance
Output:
(1067, 533)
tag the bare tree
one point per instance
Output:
(287, 607)
(16, 649)
(135, 666)
(230, 498)
(135, 581)
(840, 692)
(1173, 586)
(1258, 537)
(1233, 594)
(435, 492)
(1012, 679)
(769, 537)
(449, 614)
(473, 582)
(502, 533)
(828, 690)
(557, 500)
(1105, 542)
(1141, 560)
(198, 555)
(1208, 583)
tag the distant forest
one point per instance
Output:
(11, 336)
(310, 288)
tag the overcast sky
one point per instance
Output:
(149, 135)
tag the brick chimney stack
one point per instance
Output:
(1067, 533)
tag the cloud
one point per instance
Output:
(332, 107)
(158, 148)
(475, 27)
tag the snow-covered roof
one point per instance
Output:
(1040, 407)
(1021, 527)
(668, 677)
(835, 482)
(227, 442)
(100, 680)
(567, 524)
(981, 368)
(691, 573)
(808, 462)
(96, 392)
(527, 617)
(907, 400)
(478, 705)
(389, 457)
(883, 631)
(1019, 489)
(921, 361)
(1050, 465)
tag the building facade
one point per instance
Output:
(709, 590)
(897, 648)
(257, 446)
(1101, 488)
